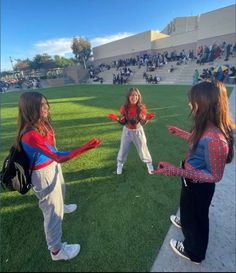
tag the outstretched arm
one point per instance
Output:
(147, 117)
(178, 132)
(215, 158)
(38, 143)
(113, 117)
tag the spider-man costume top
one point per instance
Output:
(33, 142)
(205, 163)
(132, 119)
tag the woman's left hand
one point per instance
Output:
(150, 116)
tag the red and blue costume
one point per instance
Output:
(34, 142)
(133, 117)
(205, 163)
(204, 166)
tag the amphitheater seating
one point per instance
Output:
(182, 74)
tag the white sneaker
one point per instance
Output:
(150, 168)
(66, 252)
(119, 168)
(175, 220)
(70, 208)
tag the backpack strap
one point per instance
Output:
(35, 154)
(33, 164)
(25, 130)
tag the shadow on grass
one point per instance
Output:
(121, 220)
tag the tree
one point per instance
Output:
(62, 61)
(82, 50)
(22, 65)
(43, 61)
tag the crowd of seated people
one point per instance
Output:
(207, 74)
(4, 86)
(21, 83)
(122, 76)
(152, 62)
(207, 54)
(125, 62)
(151, 78)
(220, 75)
(93, 72)
(29, 83)
(98, 79)
(228, 74)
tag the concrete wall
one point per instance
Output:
(127, 46)
(72, 73)
(176, 40)
(229, 38)
(76, 73)
(52, 82)
(179, 48)
(181, 24)
(217, 23)
(184, 33)
(110, 60)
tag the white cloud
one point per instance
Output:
(62, 46)
(107, 39)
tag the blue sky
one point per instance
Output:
(30, 27)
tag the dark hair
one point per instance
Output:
(139, 104)
(210, 104)
(29, 109)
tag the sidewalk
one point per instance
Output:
(220, 256)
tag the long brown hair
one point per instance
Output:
(209, 102)
(29, 109)
(139, 103)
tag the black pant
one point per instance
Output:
(195, 201)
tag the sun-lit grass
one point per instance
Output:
(122, 220)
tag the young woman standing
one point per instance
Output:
(133, 115)
(37, 138)
(210, 147)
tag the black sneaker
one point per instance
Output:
(175, 220)
(178, 248)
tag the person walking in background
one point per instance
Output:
(133, 115)
(195, 77)
(36, 136)
(210, 148)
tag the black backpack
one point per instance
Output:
(16, 174)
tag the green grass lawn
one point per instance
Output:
(122, 220)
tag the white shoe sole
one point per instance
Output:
(55, 258)
(172, 244)
(70, 211)
(172, 219)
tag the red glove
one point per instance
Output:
(93, 143)
(178, 132)
(150, 116)
(173, 130)
(113, 117)
(164, 168)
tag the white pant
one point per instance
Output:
(137, 136)
(49, 187)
